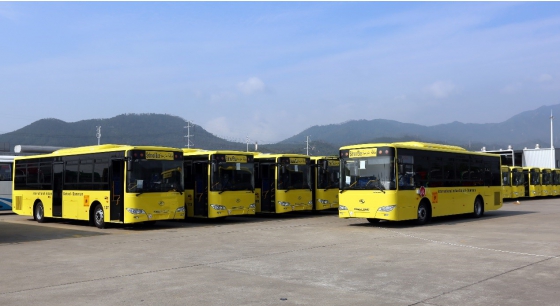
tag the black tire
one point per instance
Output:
(39, 213)
(99, 216)
(478, 208)
(149, 223)
(373, 220)
(423, 214)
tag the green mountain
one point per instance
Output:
(523, 130)
(136, 129)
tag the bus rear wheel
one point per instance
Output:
(39, 213)
(424, 214)
(99, 216)
(478, 208)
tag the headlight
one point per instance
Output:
(252, 206)
(323, 201)
(284, 203)
(310, 202)
(218, 207)
(135, 211)
(180, 209)
(342, 207)
(386, 208)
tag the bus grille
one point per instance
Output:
(497, 198)
(19, 200)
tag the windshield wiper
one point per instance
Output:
(379, 186)
(376, 184)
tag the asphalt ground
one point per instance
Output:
(508, 257)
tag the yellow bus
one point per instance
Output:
(101, 184)
(533, 186)
(517, 182)
(555, 182)
(507, 188)
(282, 183)
(546, 182)
(324, 180)
(218, 183)
(416, 181)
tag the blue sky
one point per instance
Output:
(269, 70)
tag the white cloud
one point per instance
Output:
(545, 77)
(7, 12)
(251, 86)
(441, 89)
(512, 88)
(219, 127)
(220, 97)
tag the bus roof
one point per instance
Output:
(323, 157)
(276, 155)
(418, 145)
(191, 152)
(408, 144)
(99, 149)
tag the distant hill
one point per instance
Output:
(523, 130)
(136, 129)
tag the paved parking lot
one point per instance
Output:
(508, 257)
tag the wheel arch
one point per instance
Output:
(37, 201)
(92, 209)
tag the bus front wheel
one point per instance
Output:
(39, 213)
(373, 220)
(478, 208)
(424, 214)
(99, 216)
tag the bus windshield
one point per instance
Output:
(155, 176)
(369, 173)
(232, 176)
(518, 178)
(292, 176)
(328, 178)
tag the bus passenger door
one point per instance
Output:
(116, 185)
(200, 189)
(268, 188)
(58, 170)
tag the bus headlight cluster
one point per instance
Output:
(342, 207)
(180, 209)
(252, 206)
(218, 207)
(387, 208)
(284, 203)
(135, 211)
(323, 201)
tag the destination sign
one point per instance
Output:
(334, 163)
(372, 152)
(236, 158)
(297, 161)
(159, 155)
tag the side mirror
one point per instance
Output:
(213, 166)
(325, 164)
(129, 164)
